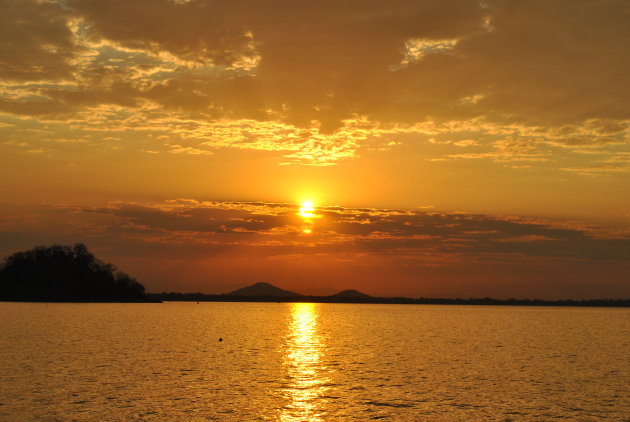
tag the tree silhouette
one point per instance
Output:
(64, 273)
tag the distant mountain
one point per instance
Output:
(263, 290)
(350, 294)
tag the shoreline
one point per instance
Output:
(161, 298)
(195, 297)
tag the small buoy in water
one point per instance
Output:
(220, 339)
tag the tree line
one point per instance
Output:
(61, 273)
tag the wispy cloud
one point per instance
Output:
(348, 229)
(201, 237)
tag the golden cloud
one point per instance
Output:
(289, 76)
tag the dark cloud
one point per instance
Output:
(205, 220)
(35, 41)
(531, 62)
(192, 240)
(339, 230)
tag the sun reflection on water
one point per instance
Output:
(302, 360)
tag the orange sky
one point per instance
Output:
(450, 147)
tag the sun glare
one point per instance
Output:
(307, 210)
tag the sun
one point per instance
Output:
(307, 210)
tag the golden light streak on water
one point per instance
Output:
(302, 360)
(326, 362)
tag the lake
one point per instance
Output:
(312, 362)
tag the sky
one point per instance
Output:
(448, 148)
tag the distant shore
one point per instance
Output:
(201, 297)
(79, 301)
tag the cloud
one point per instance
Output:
(544, 72)
(270, 228)
(179, 149)
(187, 244)
(35, 42)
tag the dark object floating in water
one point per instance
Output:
(60, 273)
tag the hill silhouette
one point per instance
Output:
(263, 290)
(350, 294)
(60, 273)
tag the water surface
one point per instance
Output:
(312, 362)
